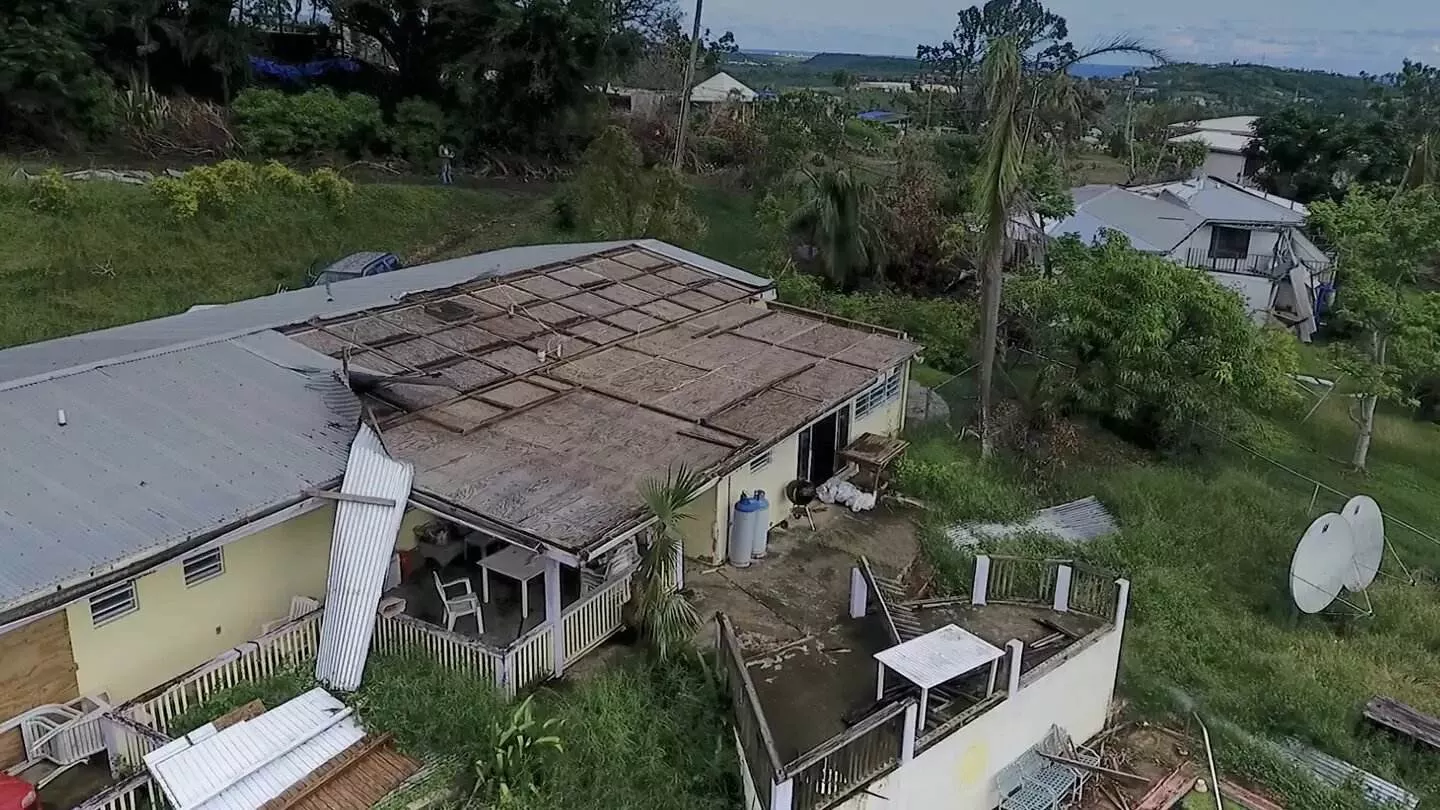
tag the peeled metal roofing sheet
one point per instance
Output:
(296, 306)
(1074, 522)
(1338, 773)
(359, 558)
(244, 766)
(934, 658)
(154, 451)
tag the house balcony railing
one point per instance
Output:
(1258, 264)
(893, 734)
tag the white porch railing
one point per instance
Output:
(530, 660)
(136, 793)
(127, 743)
(394, 634)
(286, 646)
(595, 618)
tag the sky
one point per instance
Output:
(1347, 36)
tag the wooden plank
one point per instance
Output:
(1169, 790)
(240, 714)
(322, 775)
(1052, 625)
(1402, 719)
(1095, 768)
(1248, 799)
(347, 496)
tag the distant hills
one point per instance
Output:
(892, 68)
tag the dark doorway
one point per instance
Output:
(820, 446)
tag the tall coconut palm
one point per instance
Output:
(996, 187)
(836, 219)
(664, 616)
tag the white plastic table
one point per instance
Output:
(518, 563)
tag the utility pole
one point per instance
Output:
(689, 87)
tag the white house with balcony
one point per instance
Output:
(1252, 242)
(1226, 141)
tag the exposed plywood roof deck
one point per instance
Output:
(543, 399)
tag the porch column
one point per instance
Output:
(859, 594)
(981, 586)
(781, 794)
(1017, 651)
(1061, 604)
(552, 613)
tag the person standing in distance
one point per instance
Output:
(447, 158)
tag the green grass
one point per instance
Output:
(1206, 545)
(637, 735)
(117, 257)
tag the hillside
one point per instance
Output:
(1256, 88)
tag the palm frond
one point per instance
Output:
(1122, 44)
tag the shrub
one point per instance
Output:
(216, 189)
(270, 122)
(52, 193)
(418, 129)
(616, 197)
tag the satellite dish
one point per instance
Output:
(1368, 526)
(1323, 559)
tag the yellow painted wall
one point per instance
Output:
(698, 530)
(178, 628)
(887, 420)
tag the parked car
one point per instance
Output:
(356, 265)
(17, 794)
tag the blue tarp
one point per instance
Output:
(299, 73)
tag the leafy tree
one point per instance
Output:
(664, 615)
(1174, 348)
(616, 197)
(1386, 245)
(665, 54)
(838, 219)
(47, 77)
(1305, 155)
(1039, 35)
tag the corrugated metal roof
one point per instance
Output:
(359, 557)
(1338, 773)
(153, 451)
(296, 306)
(721, 87)
(1221, 201)
(1227, 142)
(254, 761)
(934, 658)
(1075, 522)
(1152, 225)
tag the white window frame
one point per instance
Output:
(103, 615)
(761, 462)
(884, 391)
(203, 566)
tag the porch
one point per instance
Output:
(799, 636)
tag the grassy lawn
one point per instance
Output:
(118, 257)
(638, 735)
(1206, 543)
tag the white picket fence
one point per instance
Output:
(396, 634)
(288, 645)
(595, 618)
(139, 792)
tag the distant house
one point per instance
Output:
(1246, 240)
(1225, 139)
(720, 88)
(886, 117)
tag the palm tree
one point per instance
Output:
(663, 615)
(836, 220)
(996, 188)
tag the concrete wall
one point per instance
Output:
(962, 767)
(36, 668)
(1223, 165)
(178, 628)
(783, 468)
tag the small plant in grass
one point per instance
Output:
(217, 189)
(329, 185)
(664, 615)
(512, 773)
(52, 193)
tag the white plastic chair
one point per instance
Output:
(465, 603)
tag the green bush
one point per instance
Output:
(270, 122)
(52, 193)
(945, 327)
(217, 189)
(418, 130)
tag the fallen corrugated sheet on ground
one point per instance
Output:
(1075, 522)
